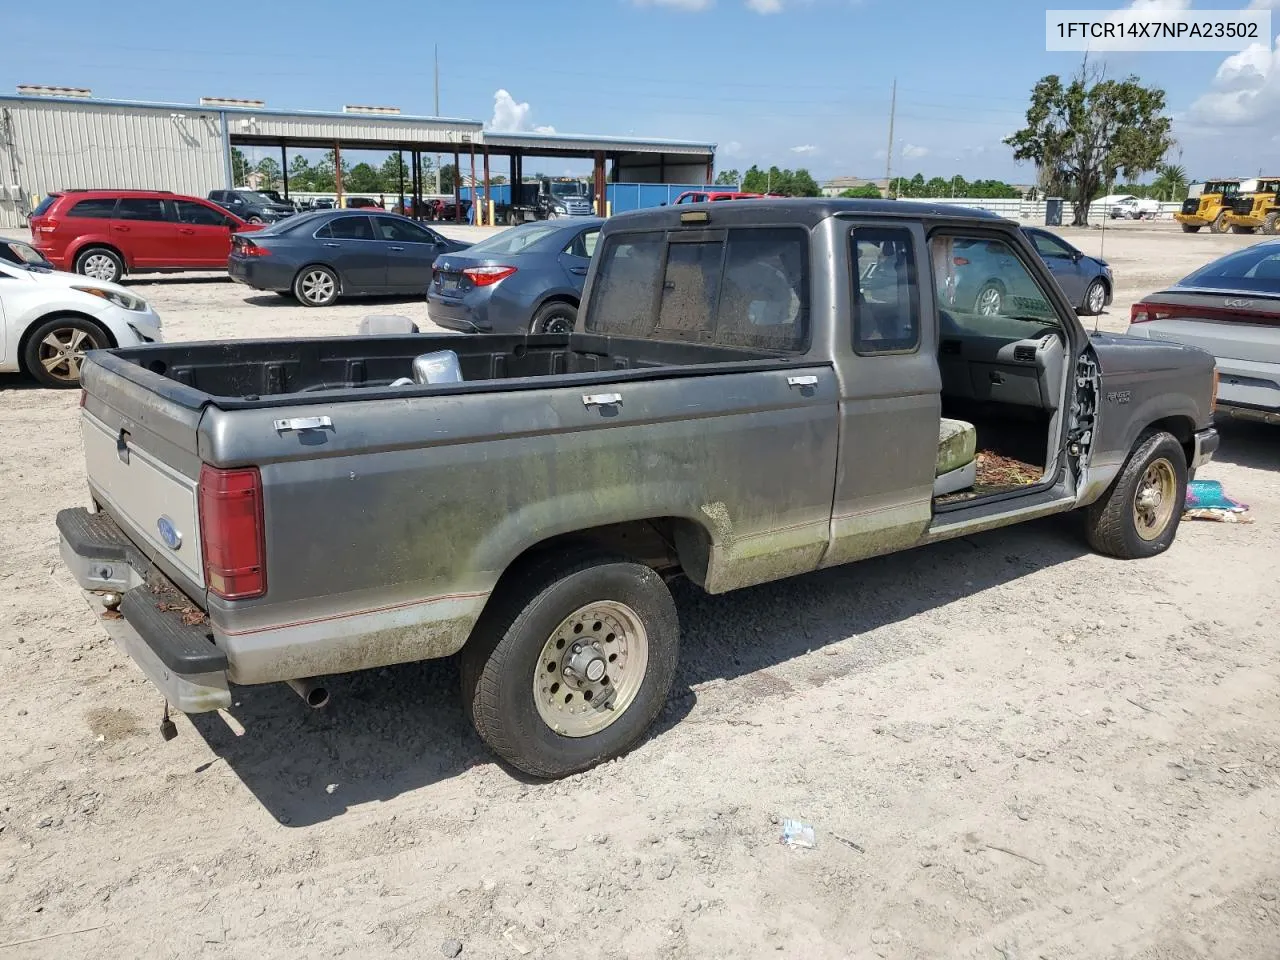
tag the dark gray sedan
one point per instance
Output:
(526, 279)
(318, 257)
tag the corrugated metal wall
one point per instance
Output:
(60, 145)
(375, 129)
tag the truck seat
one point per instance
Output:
(957, 448)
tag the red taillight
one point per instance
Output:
(1141, 313)
(251, 249)
(232, 532)
(486, 276)
(960, 261)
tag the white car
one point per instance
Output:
(49, 319)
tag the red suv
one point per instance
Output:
(107, 233)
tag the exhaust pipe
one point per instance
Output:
(312, 691)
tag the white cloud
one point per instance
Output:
(510, 116)
(765, 6)
(913, 152)
(805, 148)
(731, 149)
(691, 5)
(1245, 90)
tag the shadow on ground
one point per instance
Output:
(396, 729)
(388, 300)
(1247, 444)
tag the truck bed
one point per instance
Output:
(255, 374)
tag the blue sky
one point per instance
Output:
(786, 82)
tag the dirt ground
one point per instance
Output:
(1008, 747)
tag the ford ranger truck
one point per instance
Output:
(752, 391)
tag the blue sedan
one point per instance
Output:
(527, 279)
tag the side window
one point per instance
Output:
(982, 277)
(765, 301)
(198, 214)
(350, 228)
(140, 208)
(589, 241)
(584, 244)
(1049, 246)
(627, 285)
(690, 290)
(401, 231)
(101, 209)
(886, 302)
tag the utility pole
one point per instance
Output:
(437, 49)
(888, 162)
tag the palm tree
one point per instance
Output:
(1171, 181)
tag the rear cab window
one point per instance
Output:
(886, 301)
(741, 287)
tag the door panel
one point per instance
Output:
(576, 258)
(410, 251)
(347, 243)
(890, 395)
(204, 239)
(145, 231)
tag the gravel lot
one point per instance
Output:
(1009, 747)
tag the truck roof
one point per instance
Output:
(806, 211)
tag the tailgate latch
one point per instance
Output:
(122, 445)
(303, 423)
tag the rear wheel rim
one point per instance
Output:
(1096, 295)
(591, 668)
(62, 352)
(1154, 501)
(317, 286)
(989, 302)
(99, 266)
(557, 324)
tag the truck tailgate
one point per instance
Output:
(143, 465)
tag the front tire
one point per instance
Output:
(316, 286)
(990, 300)
(1095, 298)
(1236, 228)
(253, 220)
(556, 317)
(100, 263)
(571, 662)
(1271, 225)
(1138, 516)
(1219, 224)
(54, 352)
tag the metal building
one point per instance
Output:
(54, 138)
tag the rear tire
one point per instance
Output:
(316, 286)
(1138, 516)
(989, 300)
(54, 352)
(1190, 228)
(1219, 224)
(518, 673)
(1236, 228)
(555, 317)
(512, 218)
(1271, 225)
(100, 263)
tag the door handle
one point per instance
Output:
(601, 399)
(330, 244)
(120, 227)
(395, 248)
(185, 230)
(807, 381)
(580, 271)
(304, 423)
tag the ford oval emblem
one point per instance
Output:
(169, 533)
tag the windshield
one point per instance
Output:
(23, 255)
(1223, 188)
(254, 197)
(566, 190)
(1253, 268)
(515, 240)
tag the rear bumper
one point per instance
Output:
(159, 628)
(1255, 414)
(256, 272)
(1205, 445)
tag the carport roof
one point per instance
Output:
(582, 142)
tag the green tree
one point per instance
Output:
(363, 178)
(392, 172)
(449, 174)
(239, 166)
(914, 187)
(301, 176)
(269, 172)
(868, 191)
(803, 185)
(755, 180)
(728, 178)
(1083, 133)
(1171, 182)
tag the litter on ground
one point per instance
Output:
(1207, 501)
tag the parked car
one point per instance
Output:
(1087, 281)
(734, 407)
(449, 210)
(711, 196)
(323, 203)
(252, 206)
(525, 279)
(106, 233)
(1135, 208)
(275, 197)
(980, 270)
(1231, 308)
(360, 203)
(50, 319)
(319, 257)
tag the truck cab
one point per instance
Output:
(1207, 205)
(1254, 208)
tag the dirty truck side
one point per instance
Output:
(753, 391)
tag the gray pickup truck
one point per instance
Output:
(754, 391)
